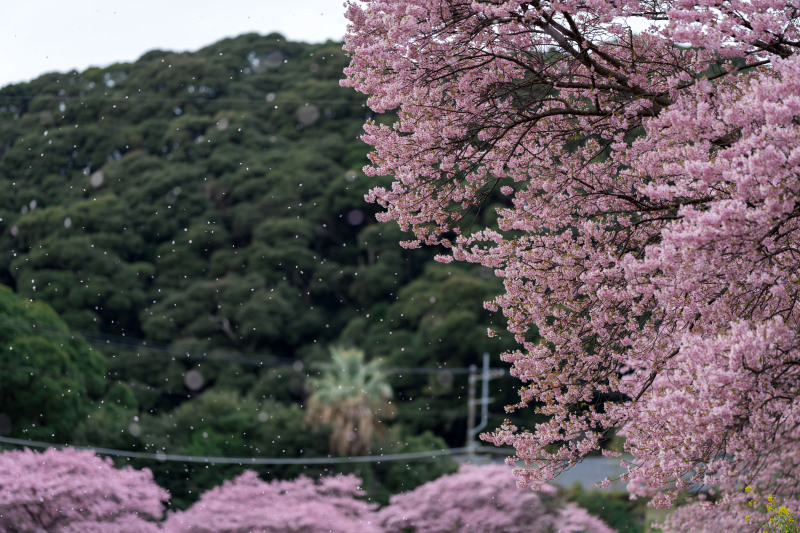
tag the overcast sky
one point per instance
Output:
(38, 36)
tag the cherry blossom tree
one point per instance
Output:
(484, 498)
(75, 491)
(645, 156)
(248, 504)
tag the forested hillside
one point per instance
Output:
(200, 219)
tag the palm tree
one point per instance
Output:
(350, 396)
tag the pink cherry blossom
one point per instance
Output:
(248, 504)
(645, 158)
(484, 498)
(74, 491)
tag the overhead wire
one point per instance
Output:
(100, 340)
(259, 360)
(168, 457)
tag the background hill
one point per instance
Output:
(199, 218)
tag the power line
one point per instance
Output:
(168, 457)
(132, 343)
(258, 360)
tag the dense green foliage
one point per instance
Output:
(200, 219)
(48, 377)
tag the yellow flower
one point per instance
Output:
(779, 519)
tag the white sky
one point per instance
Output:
(39, 36)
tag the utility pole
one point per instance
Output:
(473, 378)
(486, 374)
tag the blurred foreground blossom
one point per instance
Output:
(75, 491)
(249, 504)
(484, 498)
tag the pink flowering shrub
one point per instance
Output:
(248, 504)
(702, 518)
(75, 491)
(644, 161)
(486, 499)
(746, 511)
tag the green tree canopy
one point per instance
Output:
(48, 374)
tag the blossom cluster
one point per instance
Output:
(72, 491)
(644, 162)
